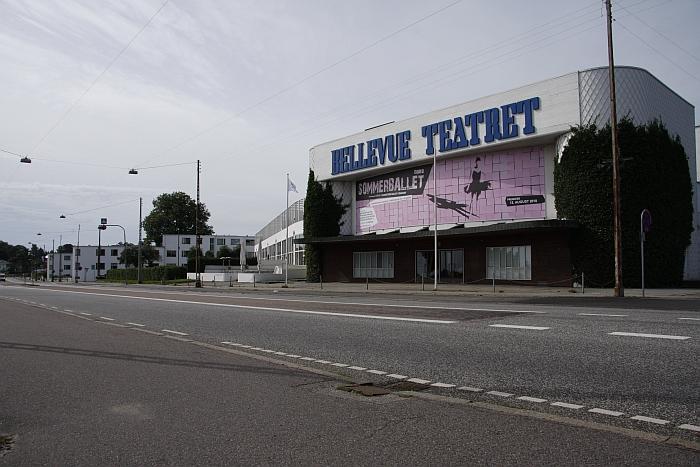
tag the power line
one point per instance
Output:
(102, 207)
(87, 90)
(304, 79)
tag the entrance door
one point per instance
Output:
(450, 267)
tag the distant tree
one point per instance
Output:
(130, 255)
(224, 251)
(323, 212)
(174, 213)
(67, 248)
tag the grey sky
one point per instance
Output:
(200, 64)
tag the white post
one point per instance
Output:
(75, 258)
(641, 241)
(435, 273)
(286, 236)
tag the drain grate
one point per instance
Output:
(6, 442)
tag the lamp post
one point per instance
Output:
(104, 227)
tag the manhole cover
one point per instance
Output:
(368, 390)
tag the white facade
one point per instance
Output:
(83, 265)
(555, 106)
(176, 246)
(271, 241)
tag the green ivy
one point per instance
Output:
(654, 175)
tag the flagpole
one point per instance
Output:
(286, 241)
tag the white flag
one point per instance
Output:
(291, 186)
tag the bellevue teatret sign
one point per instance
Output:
(499, 123)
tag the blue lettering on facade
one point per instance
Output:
(499, 123)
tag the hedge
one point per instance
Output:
(156, 273)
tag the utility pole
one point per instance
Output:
(140, 266)
(198, 241)
(435, 201)
(75, 257)
(617, 226)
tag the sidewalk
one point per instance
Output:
(78, 392)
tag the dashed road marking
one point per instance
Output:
(358, 368)
(323, 362)
(308, 359)
(268, 351)
(532, 399)
(293, 355)
(687, 426)
(690, 319)
(658, 421)
(653, 336)
(566, 405)
(376, 372)
(602, 314)
(175, 332)
(443, 385)
(136, 324)
(341, 365)
(517, 326)
(280, 353)
(470, 389)
(108, 319)
(418, 381)
(612, 413)
(86, 314)
(396, 376)
(499, 393)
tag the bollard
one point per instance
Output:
(583, 283)
(422, 282)
(493, 281)
(321, 280)
(253, 280)
(367, 282)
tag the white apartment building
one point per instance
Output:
(177, 246)
(82, 262)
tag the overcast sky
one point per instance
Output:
(248, 87)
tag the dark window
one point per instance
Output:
(66, 257)
(66, 267)
(235, 241)
(114, 252)
(171, 253)
(221, 241)
(186, 240)
(100, 252)
(114, 265)
(451, 266)
(250, 242)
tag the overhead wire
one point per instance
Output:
(94, 81)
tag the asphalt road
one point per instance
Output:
(93, 392)
(559, 359)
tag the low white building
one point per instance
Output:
(271, 241)
(177, 246)
(81, 263)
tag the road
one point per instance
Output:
(617, 364)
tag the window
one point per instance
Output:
(235, 241)
(101, 266)
(183, 253)
(114, 252)
(99, 252)
(92, 267)
(211, 243)
(220, 241)
(186, 240)
(509, 262)
(66, 257)
(379, 264)
(77, 252)
(171, 254)
(113, 266)
(450, 267)
(66, 267)
(250, 242)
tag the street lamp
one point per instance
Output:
(104, 227)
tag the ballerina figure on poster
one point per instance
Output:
(476, 187)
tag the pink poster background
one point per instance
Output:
(511, 173)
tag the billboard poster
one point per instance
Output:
(495, 186)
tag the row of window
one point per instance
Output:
(509, 263)
(219, 241)
(67, 267)
(276, 251)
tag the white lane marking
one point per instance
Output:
(653, 336)
(341, 365)
(54, 308)
(376, 372)
(268, 351)
(322, 302)
(690, 319)
(308, 359)
(324, 362)
(443, 385)
(418, 380)
(517, 326)
(470, 389)
(259, 348)
(69, 311)
(280, 353)
(293, 355)
(658, 421)
(687, 426)
(601, 314)
(137, 324)
(108, 319)
(358, 368)
(246, 346)
(175, 332)
(397, 376)
(266, 308)
(86, 314)
(532, 399)
(612, 413)
(566, 405)
(499, 393)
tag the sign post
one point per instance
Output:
(644, 228)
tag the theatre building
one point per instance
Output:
(484, 169)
